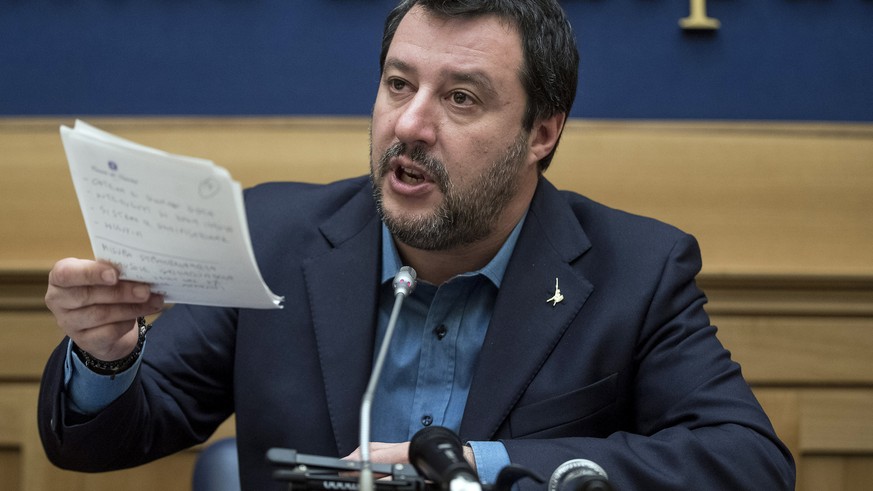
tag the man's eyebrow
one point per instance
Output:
(399, 65)
(476, 78)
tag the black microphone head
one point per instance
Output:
(427, 435)
(579, 474)
(404, 281)
(436, 452)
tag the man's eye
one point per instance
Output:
(460, 98)
(397, 84)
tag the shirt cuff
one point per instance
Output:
(491, 458)
(88, 392)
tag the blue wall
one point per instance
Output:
(771, 59)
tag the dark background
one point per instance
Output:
(771, 60)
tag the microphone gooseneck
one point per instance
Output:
(579, 475)
(404, 283)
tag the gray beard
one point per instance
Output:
(468, 212)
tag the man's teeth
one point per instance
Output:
(410, 177)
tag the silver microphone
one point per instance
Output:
(579, 475)
(404, 281)
(404, 284)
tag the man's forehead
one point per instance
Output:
(470, 38)
(503, 27)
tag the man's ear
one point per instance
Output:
(545, 134)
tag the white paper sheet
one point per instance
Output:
(177, 223)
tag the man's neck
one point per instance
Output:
(437, 267)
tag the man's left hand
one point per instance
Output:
(384, 453)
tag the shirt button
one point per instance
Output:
(426, 420)
(440, 331)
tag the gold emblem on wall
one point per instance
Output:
(697, 18)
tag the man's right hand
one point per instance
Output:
(96, 309)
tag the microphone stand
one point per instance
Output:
(404, 283)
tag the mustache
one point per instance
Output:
(432, 165)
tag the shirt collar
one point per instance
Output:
(494, 270)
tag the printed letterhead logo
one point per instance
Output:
(208, 188)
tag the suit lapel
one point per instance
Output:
(343, 317)
(525, 327)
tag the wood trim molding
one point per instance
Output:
(728, 294)
(800, 295)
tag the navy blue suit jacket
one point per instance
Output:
(626, 371)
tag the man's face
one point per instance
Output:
(448, 153)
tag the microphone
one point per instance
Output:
(579, 475)
(404, 283)
(436, 452)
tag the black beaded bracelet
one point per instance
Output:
(112, 368)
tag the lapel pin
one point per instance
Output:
(557, 297)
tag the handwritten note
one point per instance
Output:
(177, 223)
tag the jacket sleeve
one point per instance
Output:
(177, 399)
(694, 422)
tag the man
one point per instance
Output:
(545, 327)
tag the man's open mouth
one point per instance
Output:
(409, 176)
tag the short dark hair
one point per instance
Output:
(551, 60)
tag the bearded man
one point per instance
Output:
(545, 327)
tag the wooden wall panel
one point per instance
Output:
(171, 474)
(850, 473)
(779, 199)
(762, 198)
(10, 467)
(837, 421)
(28, 338)
(800, 350)
(782, 213)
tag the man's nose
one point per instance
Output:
(417, 123)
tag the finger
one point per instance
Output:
(96, 315)
(71, 272)
(73, 282)
(355, 455)
(389, 453)
(70, 298)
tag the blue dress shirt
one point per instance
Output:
(432, 357)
